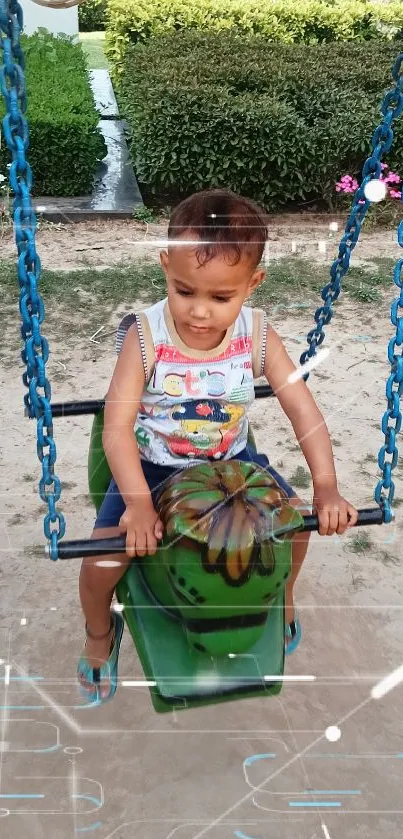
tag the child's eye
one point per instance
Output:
(221, 299)
(183, 293)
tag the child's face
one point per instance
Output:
(206, 300)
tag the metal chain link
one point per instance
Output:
(392, 418)
(36, 351)
(391, 109)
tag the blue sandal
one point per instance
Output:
(109, 670)
(294, 632)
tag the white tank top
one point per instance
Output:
(194, 403)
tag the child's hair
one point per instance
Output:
(228, 225)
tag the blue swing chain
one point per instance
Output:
(391, 109)
(36, 351)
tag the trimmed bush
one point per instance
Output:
(308, 21)
(65, 142)
(92, 15)
(278, 123)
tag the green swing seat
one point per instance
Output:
(182, 669)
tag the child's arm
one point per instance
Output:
(335, 513)
(122, 403)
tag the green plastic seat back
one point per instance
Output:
(99, 473)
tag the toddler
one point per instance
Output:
(179, 395)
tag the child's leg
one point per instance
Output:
(299, 544)
(97, 585)
(98, 582)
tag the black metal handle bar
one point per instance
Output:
(94, 406)
(117, 544)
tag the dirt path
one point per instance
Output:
(105, 243)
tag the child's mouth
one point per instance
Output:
(195, 328)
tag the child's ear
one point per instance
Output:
(256, 280)
(164, 259)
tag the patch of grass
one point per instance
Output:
(288, 283)
(93, 47)
(364, 285)
(295, 283)
(145, 214)
(360, 543)
(365, 294)
(67, 294)
(301, 478)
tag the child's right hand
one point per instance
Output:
(143, 527)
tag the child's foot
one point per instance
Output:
(292, 626)
(293, 635)
(97, 667)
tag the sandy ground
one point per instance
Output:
(238, 769)
(104, 243)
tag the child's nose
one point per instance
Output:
(199, 310)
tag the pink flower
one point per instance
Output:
(347, 184)
(394, 193)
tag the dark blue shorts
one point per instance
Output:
(113, 506)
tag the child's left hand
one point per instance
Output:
(335, 514)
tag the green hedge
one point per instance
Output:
(278, 123)
(287, 21)
(65, 142)
(92, 15)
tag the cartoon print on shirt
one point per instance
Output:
(173, 384)
(159, 411)
(206, 428)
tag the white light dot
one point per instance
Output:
(333, 733)
(23, 621)
(118, 607)
(375, 190)
(213, 215)
(108, 563)
(333, 226)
